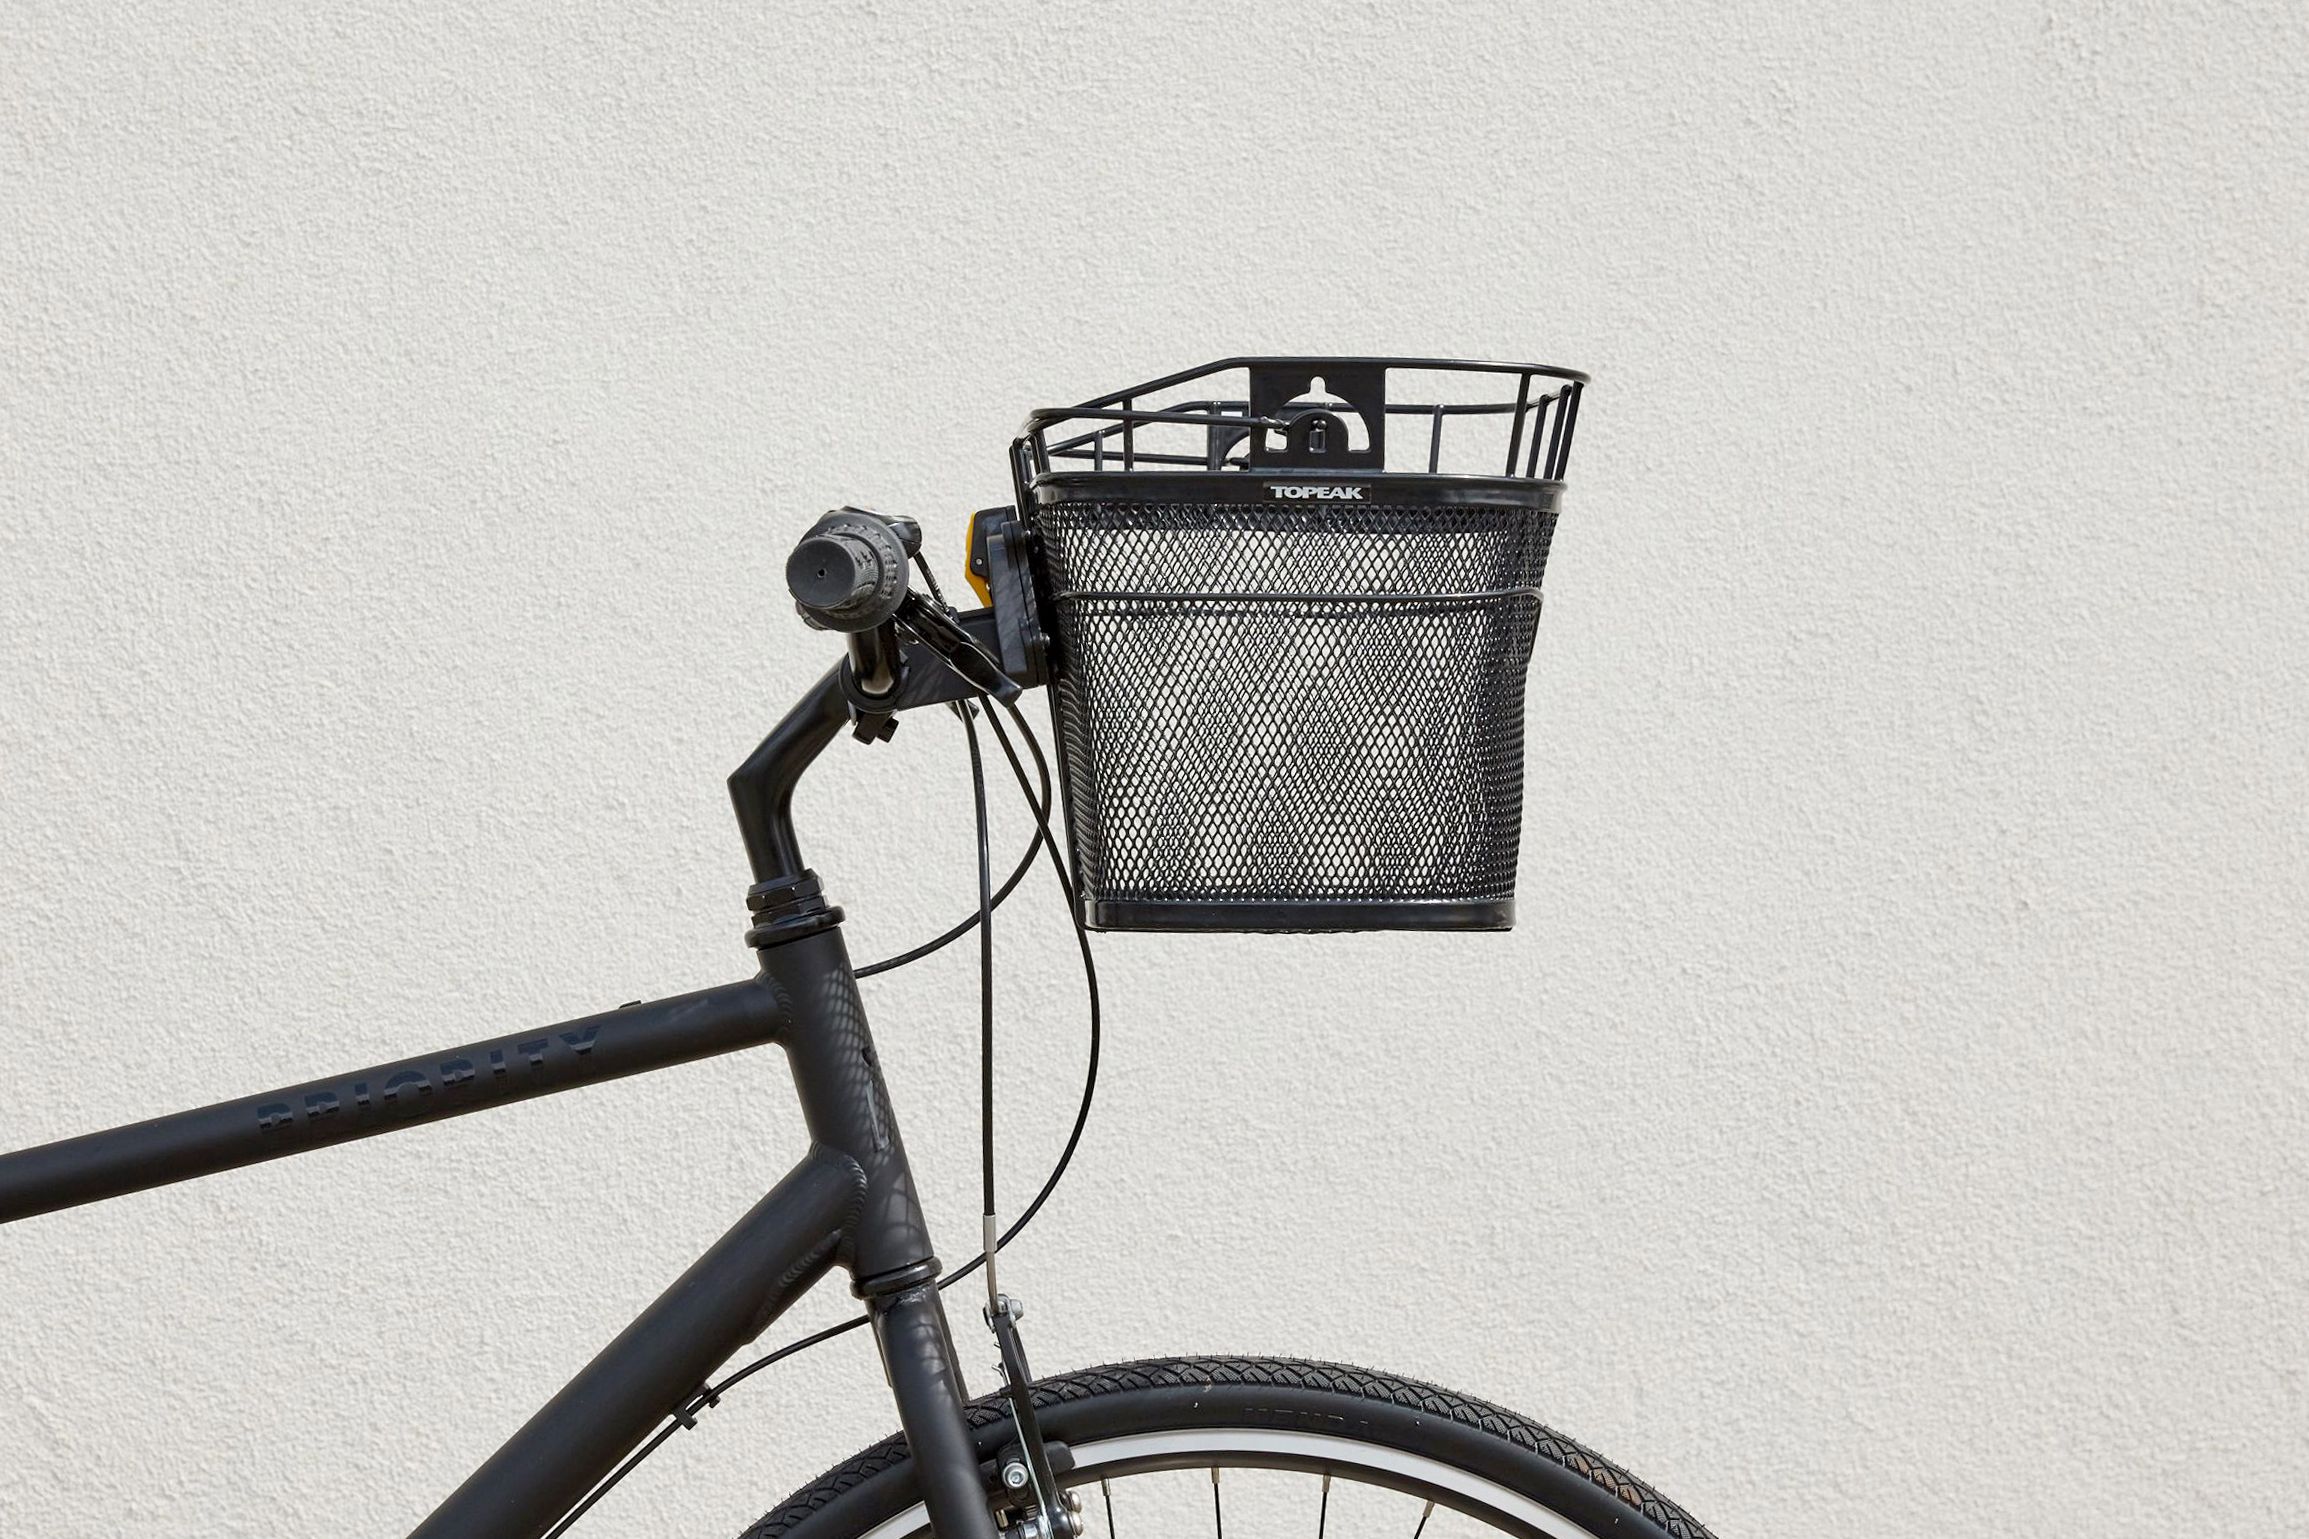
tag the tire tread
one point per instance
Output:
(1263, 1372)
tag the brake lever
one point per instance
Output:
(934, 626)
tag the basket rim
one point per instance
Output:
(1242, 485)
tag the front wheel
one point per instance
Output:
(1188, 1447)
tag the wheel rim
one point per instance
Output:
(1106, 1467)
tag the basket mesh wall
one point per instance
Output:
(1293, 717)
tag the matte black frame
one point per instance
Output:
(850, 1202)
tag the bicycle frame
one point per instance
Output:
(850, 1202)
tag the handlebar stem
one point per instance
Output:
(762, 788)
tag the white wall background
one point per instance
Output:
(1890, 1116)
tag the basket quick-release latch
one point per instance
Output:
(1003, 574)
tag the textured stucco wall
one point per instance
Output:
(1889, 1118)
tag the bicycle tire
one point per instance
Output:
(1271, 1413)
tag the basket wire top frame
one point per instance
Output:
(1111, 432)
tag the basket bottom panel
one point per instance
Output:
(1296, 918)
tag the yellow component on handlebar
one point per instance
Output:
(971, 565)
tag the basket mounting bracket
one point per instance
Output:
(1335, 415)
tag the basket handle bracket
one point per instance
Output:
(1321, 403)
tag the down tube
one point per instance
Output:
(731, 1295)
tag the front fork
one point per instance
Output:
(886, 1246)
(918, 1359)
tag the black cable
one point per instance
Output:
(929, 578)
(687, 1417)
(1041, 805)
(779, 1356)
(609, 1483)
(989, 1242)
(1009, 886)
(711, 1395)
(1082, 944)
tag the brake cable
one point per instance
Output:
(710, 1395)
(1040, 804)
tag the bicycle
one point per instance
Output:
(1286, 677)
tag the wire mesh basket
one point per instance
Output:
(1288, 644)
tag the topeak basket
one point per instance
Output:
(1289, 645)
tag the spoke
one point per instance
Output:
(1326, 1472)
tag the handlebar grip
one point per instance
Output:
(849, 572)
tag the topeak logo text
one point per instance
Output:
(1324, 493)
